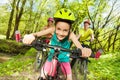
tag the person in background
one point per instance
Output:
(50, 23)
(86, 34)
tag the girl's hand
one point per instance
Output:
(28, 39)
(86, 52)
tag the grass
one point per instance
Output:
(105, 68)
(18, 63)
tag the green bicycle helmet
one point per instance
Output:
(64, 14)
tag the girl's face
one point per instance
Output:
(62, 30)
(50, 23)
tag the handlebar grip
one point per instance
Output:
(37, 45)
(80, 53)
(96, 55)
(77, 51)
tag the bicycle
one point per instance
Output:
(39, 46)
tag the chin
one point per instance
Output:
(60, 39)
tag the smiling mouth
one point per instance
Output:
(61, 37)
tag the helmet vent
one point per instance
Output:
(60, 12)
(70, 14)
(65, 10)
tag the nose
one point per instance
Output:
(61, 33)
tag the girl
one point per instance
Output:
(61, 37)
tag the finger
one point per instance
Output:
(83, 52)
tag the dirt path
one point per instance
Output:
(30, 75)
(22, 76)
(4, 57)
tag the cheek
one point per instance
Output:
(60, 33)
(57, 31)
(66, 33)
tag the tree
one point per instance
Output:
(10, 20)
(19, 13)
(96, 14)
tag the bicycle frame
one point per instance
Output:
(58, 74)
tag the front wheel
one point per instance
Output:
(80, 69)
(84, 68)
(38, 61)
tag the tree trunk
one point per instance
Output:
(10, 20)
(18, 17)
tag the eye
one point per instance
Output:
(66, 30)
(58, 29)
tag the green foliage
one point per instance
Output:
(3, 19)
(104, 38)
(36, 13)
(105, 68)
(80, 12)
(31, 52)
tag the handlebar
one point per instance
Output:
(40, 44)
(37, 44)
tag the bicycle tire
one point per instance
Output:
(79, 69)
(59, 75)
(37, 63)
(84, 69)
(42, 57)
(75, 70)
